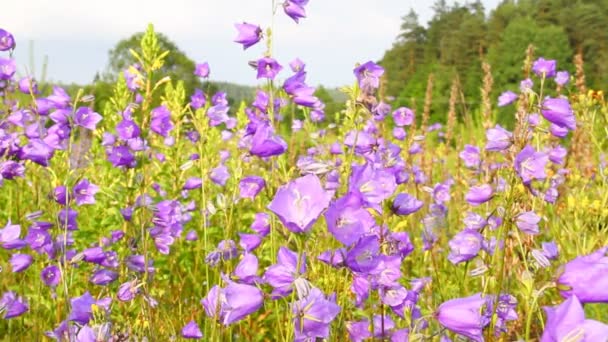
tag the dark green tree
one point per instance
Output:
(177, 65)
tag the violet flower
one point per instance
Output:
(566, 322)
(559, 112)
(7, 41)
(544, 68)
(464, 316)
(299, 203)
(506, 98)
(313, 315)
(478, 195)
(192, 331)
(248, 34)
(586, 277)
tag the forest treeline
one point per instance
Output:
(460, 37)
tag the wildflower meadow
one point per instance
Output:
(172, 214)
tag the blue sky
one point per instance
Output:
(76, 35)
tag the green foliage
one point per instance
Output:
(548, 41)
(153, 50)
(460, 36)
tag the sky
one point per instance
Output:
(76, 35)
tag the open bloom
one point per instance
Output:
(403, 116)
(347, 219)
(566, 322)
(530, 164)
(368, 75)
(312, 315)
(586, 277)
(251, 186)
(559, 112)
(161, 121)
(544, 67)
(268, 68)
(233, 303)
(282, 275)
(299, 203)
(7, 41)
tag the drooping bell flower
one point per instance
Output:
(12, 305)
(465, 246)
(299, 203)
(7, 41)
(566, 322)
(10, 169)
(37, 151)
(530, 164)
(506, 98)
(405, 204)
(312, 316)
(464, 316)
(478, 195)
(268, 68)
(265, 143)
(192, 331)
(527, 222)
(368, 75)
(193, 183)
(103, 277)
(82, 310)
(251, 186)
(295, 9)
(559, 112)
(248, 34)
(20, 262)
(219, 175)
(499, 139)
(127, 291)
(10, 236)
(246, 270)
(557, 155)
(544, 68)
(586, 277)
